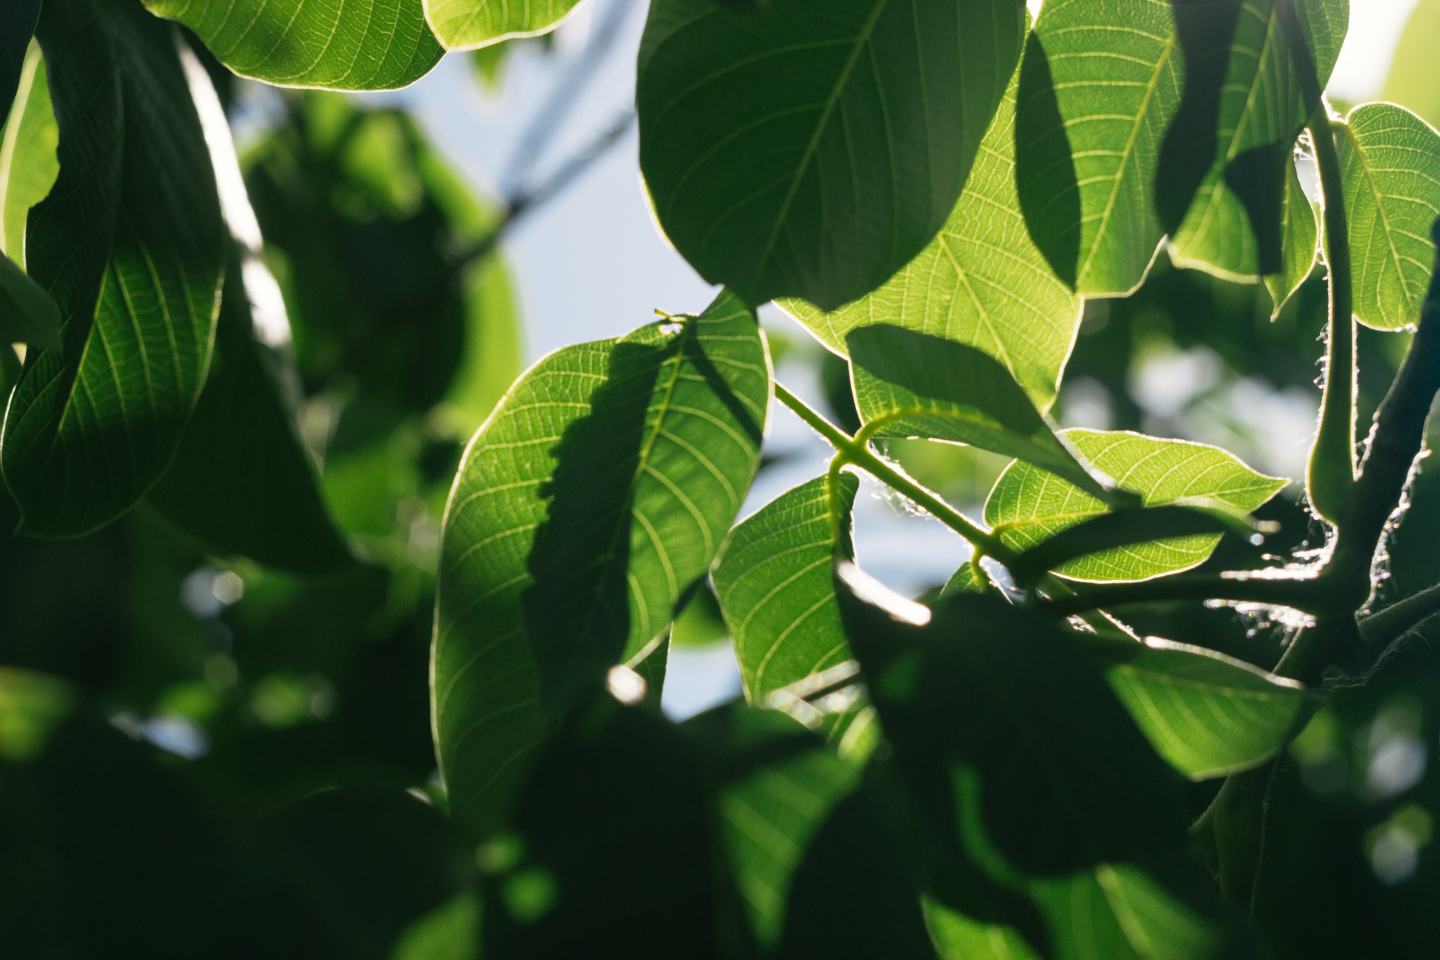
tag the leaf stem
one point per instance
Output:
(1330, 478)
(855, 452)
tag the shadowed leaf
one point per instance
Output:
(813, 148)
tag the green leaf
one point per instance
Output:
(133, 258)
(242, 481)
(28, 163)
(470, 24)
(1299, 245)
(362, 45)
(17, 26)
(1100, 84)
(1275, 57)
(598, 492)
(814, 148)
(27, 314)
(1046, 814)
(911, 384)
(1129, 527)
(1388, 159)
(1205, 713)
(981, 281)
(775, 586)
(1027, 506)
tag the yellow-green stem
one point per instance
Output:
(1330, 478)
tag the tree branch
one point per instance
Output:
(526, 201)
(1396, 440)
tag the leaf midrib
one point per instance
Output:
(807, 157)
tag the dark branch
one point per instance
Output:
(1396, 439)
(527, 201)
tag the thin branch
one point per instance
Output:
(1330, 477)
(526, 202)
(566, 92)
(855, 452)
(1396, 440)
(1295, 592)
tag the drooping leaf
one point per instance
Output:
(242, 447)
(1100, 84)
(911, 384)
(133, 259)
(242, 481)
(1028, 506)
(471, 24)
(1299, 243)
(775, 586)
(1263, 64)
(1207, 714)
(981, 281)
(813, 148)
(17, 26)
(361, 45)
(1077, 843)
(28, 163)
(598, 492)
(1388, 158)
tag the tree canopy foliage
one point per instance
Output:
(328, 630)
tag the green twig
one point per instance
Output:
(1330, 478)
(854, 452)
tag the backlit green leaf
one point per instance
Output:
(1299, 244)
(776, 589)
(981, 281)
(1277, 56)
(815, 147)
(1028, 506)
(28, 164)
(1077, 844)
(595, 496)
(1207, 714)
(1388, 158)
(911, 384)
(133, 258)
(1100, 84)
(468, 24)
(359, 45)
